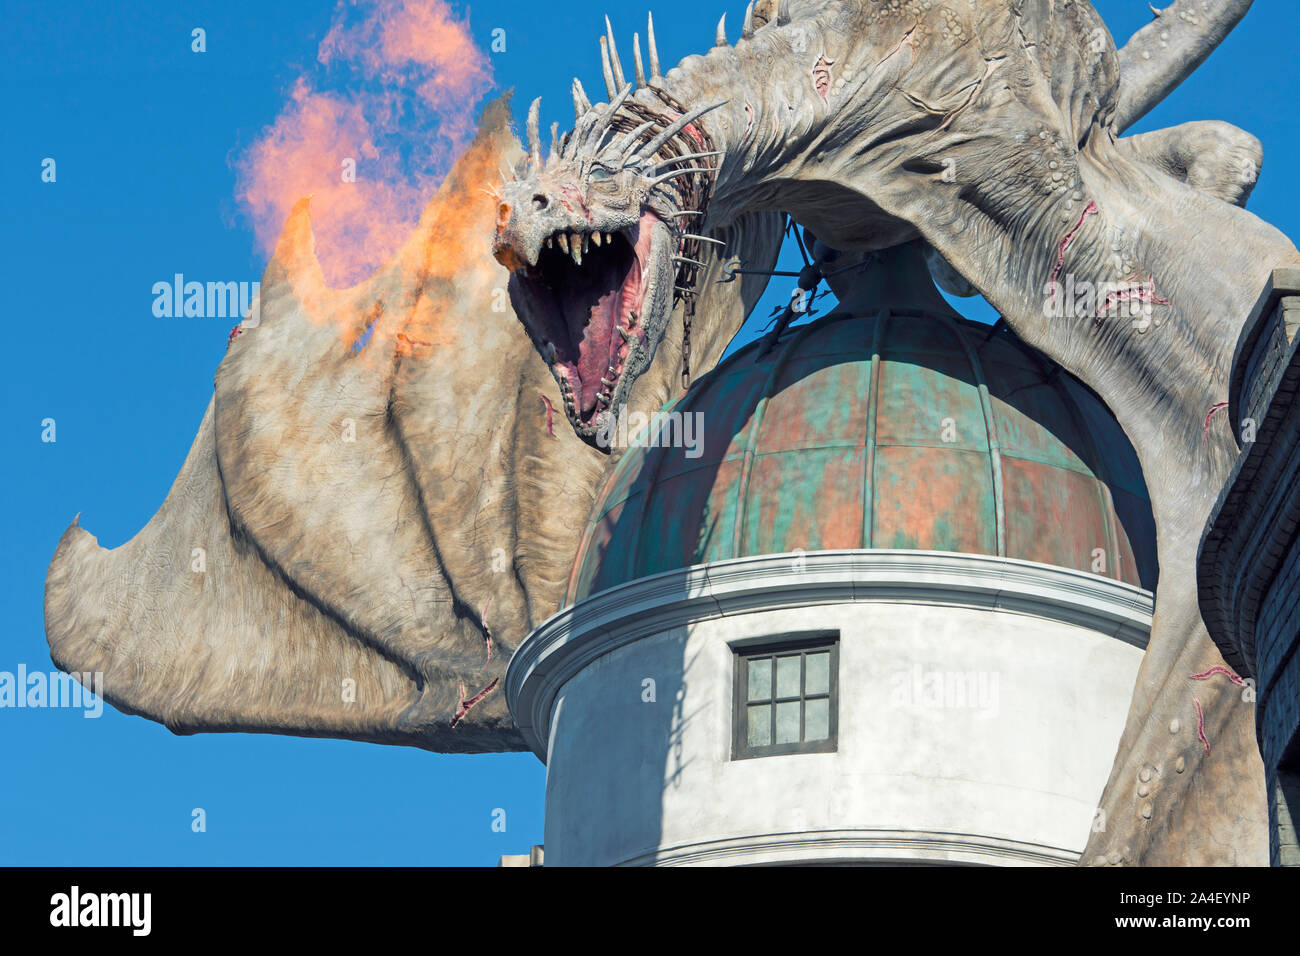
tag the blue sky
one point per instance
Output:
(144, 132)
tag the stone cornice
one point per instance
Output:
(888, 847)
(571, 639)
(1252, 524)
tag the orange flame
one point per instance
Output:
(408, 112)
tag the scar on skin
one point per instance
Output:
(821, 77)
(1200, 723)
(550, 416)
(465, 705)
(1065, 244)
(1218, 668)
(749, 119)
(487, 631)
(1205, 434)
(410, 343)
(1142, 292)
(233, 332)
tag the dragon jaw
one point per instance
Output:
(595, 304)
(597, 251)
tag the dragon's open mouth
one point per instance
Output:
(585, 301)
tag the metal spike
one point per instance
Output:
(678, 159)
(685, 212)
(534, 140)
(650, 43)
(678, 172)
(747, 28)
(783, 13)
(721, 38)
(580, 102)
(628, 142)
(610, 88)
(696, 262)
(636, 61)
(716, 242)
(613, 56)
(607, 115)
(681, 123)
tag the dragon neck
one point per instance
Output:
(771, 117)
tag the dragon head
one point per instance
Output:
(598, 244)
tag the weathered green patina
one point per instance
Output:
(897, 430)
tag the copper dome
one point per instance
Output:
(905, 429)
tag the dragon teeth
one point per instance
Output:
(563, 242)
(627, 336)
(548, 242)
(595, 237)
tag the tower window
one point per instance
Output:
(786, 701)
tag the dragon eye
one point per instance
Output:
(599, 174)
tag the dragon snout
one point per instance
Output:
(507, 246)
(523, 221)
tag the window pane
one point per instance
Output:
(817, 719)
(760, 679)
(787, 679)
(818, 679)
(787, 719)
(760, 725)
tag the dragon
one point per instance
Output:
(991, 131)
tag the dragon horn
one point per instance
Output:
(747, 28)
(628, 142)
(683, 158)
(721, 38)
(607, 115)
(534, 140)
(664, 177)
(669, 132)
(580, 102)
(610, 88)
(613, 56)
(555, 141)
(783, 13)
(650, 41)
(636, 61)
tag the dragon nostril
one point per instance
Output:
(540, 202)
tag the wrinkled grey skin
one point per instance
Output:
(987, 128)
(349, 588)
(991, 130)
